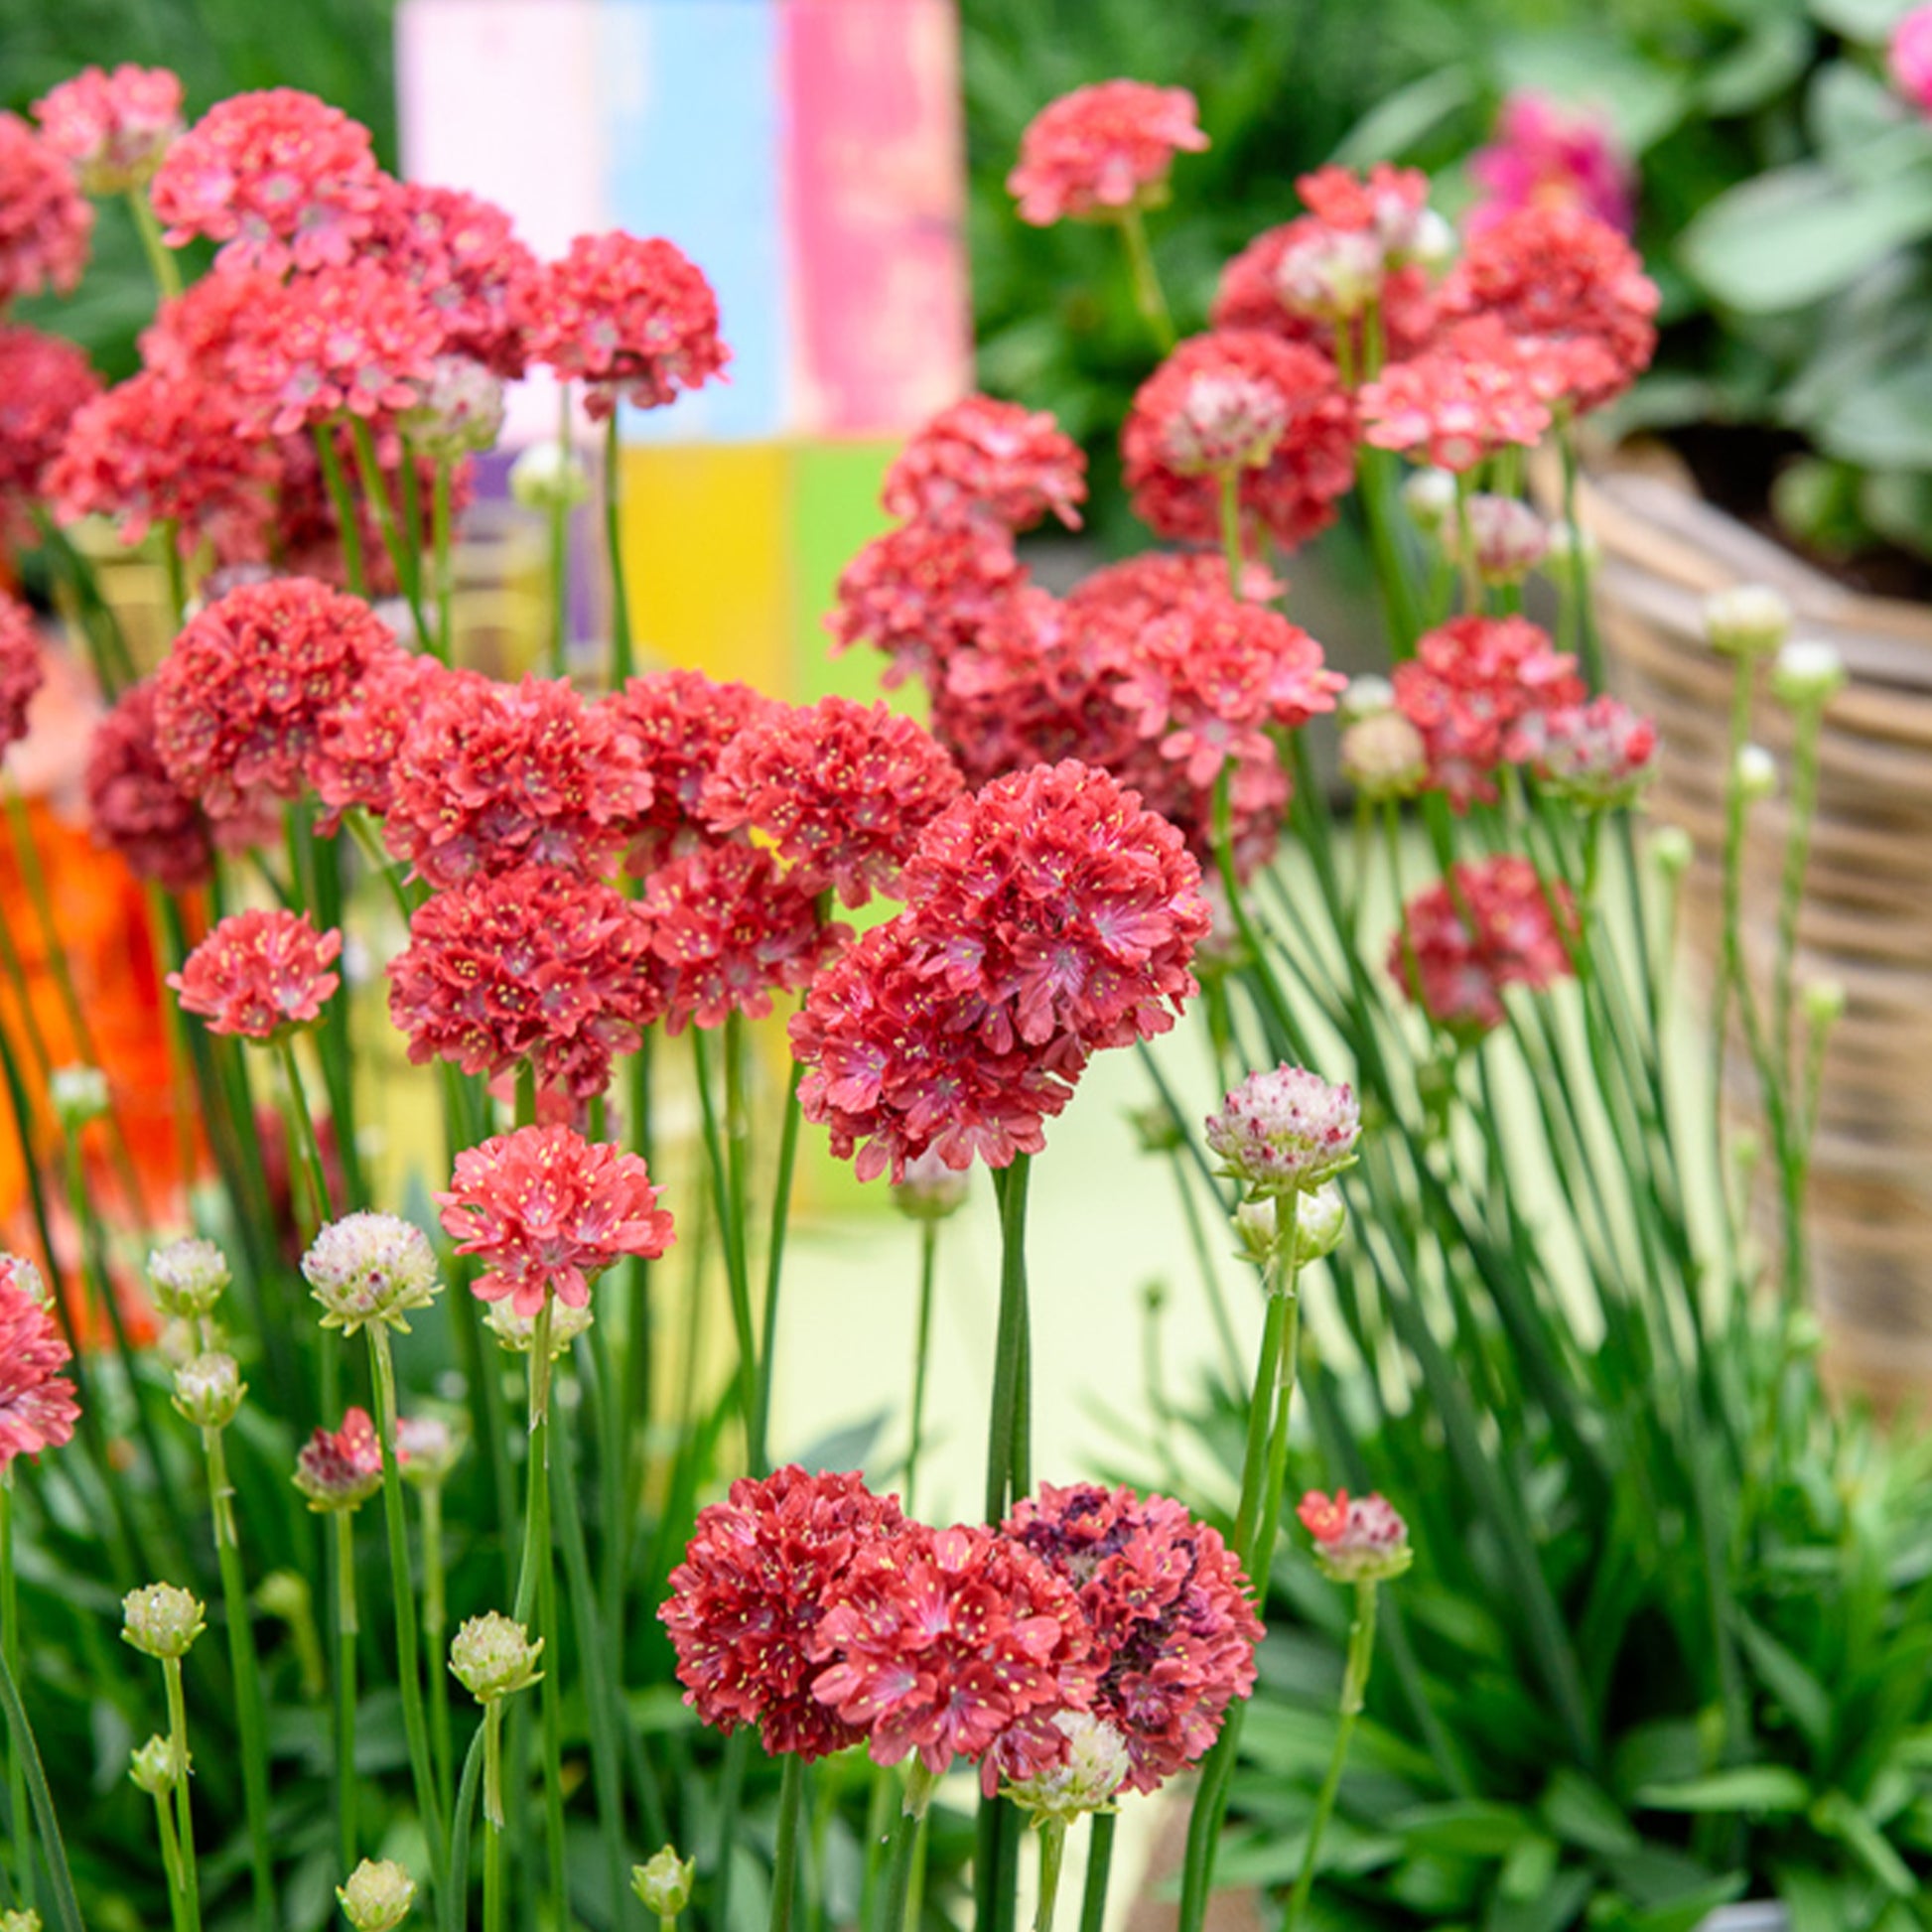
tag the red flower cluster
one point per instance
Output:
(460, 257)
(682, 721)
(112, 128)
(38, 1409)
(946, 1643)
(1461, 399)
(1292, 439)
(531, 964)
(1557, 278)
(1597, 755)
(44, 382)
(1490, 927)
(1174, 1633)
(924, 592)
(1477, 690)
(21, 673)
(746, 1601)
(135, 808)
(280, 178)
(630, 317)
(259, 974)
(727, 929)
(1101, 150)
(841, 789)
(44, 223)
(497, 774)
(353, 759)
(997, 460)
(549, 1212)
(241, 700)
(340, 1469)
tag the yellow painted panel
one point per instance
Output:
(707, 555)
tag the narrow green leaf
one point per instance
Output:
(1805, 1700)
(1748, 1787)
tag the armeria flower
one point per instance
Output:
(355, 339)
(378, 1895)
(1246, 399)
(530, 964)
(663, 1884)
(187, 1277)
(627, 317)
(1383, 756)
(499, 774)
(1597, 755)
(1458, 402)
(1543, 155)
(21, 670)
(241, 700)
(1056, 898)
(1908, 57)
(166, 449)
(947, 1643)
(1174, 1631)
(44, 223)
(1475, 689)
(461, 257)
(1284, 1131)
(44, 381)
(983, 458)
(1101, 150)
(1356, 1541)
(727, 929)
(430, 1449)
(1460, 944)
(842, 790)
(279, 178)
(370, 1270)
(549, 1212)
(1505, 536)
(161, 1620)
(1569, 286)
(341, 1468)
(135, 808)
(38, 1410)
(682, 722)
(112, 128)
(745, 1603)
(491, 1657)
(519, 1333)
(260, 974)
(208, 1389)
(1097, 1765)
(353, 762)
(922, 593)
(896, 1064)
(458, 410)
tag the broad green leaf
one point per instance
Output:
(1837, 1817)
(1819, 1901)
(1884, 424)
(1806, 1701)
(1582, 1815)
(1393, 126)
(1798, 235)
(1686, 1914)
(1763, 64)
(1529, 1867)
(1641, 100)
(1862, 20)
(1664, 1753)
(1556, 1908)
(1750, 1788)
(1847, 108)
(1473, 1829)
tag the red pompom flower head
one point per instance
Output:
(997, 460)
(112, 128)
(38, 1409)
(341, 1468)
(1284, 1131)
(44, 223)
(1094, 154)
(1356, 1541)
(45, 382)
(21, 671)
(260, 974)
(745, 1603)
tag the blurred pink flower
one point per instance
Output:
(1910, 57)
(1545, 155)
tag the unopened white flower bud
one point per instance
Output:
(1671, 851)
(1095, 1767)
(161, 1619)
(1367, 696)
(664, 1883)
(1384, 757)
(1429, 496)
(377, 1896)
(1746, 620)
(519, 1333)
(491, 1656)
(152, 1766)
(459, 411)
(188, 1278)
(77, 1095)
(549, 476)
(24, 1920)
(208, 1389)
(1320, 1223)
(1755, 774)
(930, 1190)
(1822, 1001)
(1808, 674)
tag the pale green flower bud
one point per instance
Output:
(152, 1766)
(1383, 757)
(1755, 773)
(161, 1620)
(1257, 1230)
(431, 1449)
(519, 1333)
(208, 1390)
(1671, 851)
(369, 1268)
(27, 1920)
(663, 1884)
(1566, 542)
(377, 1896)
(1822, 1001)
(491, 1656)
(1808, 674)
(1367, 696)
(77, 1095)
(549, 476)
(930, 1190)
(1746, 620)
(188, 1278)
(1319, 1225)
(1429, 496)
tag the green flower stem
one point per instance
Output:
(246, 1667)
(191, 1876)
(10, 1646)
(106, 641)
(1053, 1856)
(1466, 545)
(308, 1148)
(493, 1882)
(634, 1402)
(402, 554)
(774, 1261)
(20, 1734)
(342, 499)
(728, 1201)
(453, 1912)
(415, 1722)
(1354, 1689)
(922, 1349)
(160, 259)
(1399, 609)
(560, 549)
(436, 1625)
(550, 1695)
(738, 1752)
(342, 1557)
(443, 640)
(404, 897)
(623, 661)
(784, 1858)
(1589, 648)
(1229, 484)
(164, 1813)
(1149, 296)
(174, 570)
(904, 1841)
(1100, 1866)
(15, 969)
(1808, 726)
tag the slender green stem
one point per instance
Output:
(10, 1646)
(1149, 296)
(621, 660)
(492, 1883)
(728, 1200)
(308, 1147)
(774, 1261)
(904, 1841)
(1217, 1306)
(550, 1694)
(1230, 503)
(455, 1908)
(1590, 650)
(784, 1858)
(335, 480)
(343, 1557)
(54, 1855)
(402, 554)
(1053, 1856)
(921, 1348)
(168, 536)
(415, 1723)
(738, 1751)
(191, 1873)
(560, 549)
(441, 549)
(160, 259)
(1100, 1866)
(436, 1623)
(1465, 549)
(1007, 1475)
(245, 1664)
(164, 1813)
(1808, 726)
(1354, 1690)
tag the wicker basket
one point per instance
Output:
(1867, 918)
